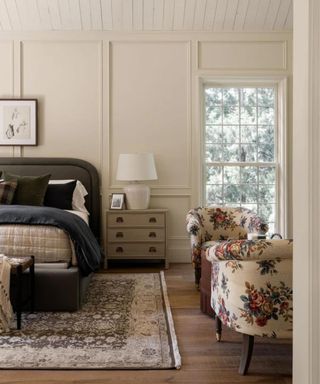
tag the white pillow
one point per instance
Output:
(78, 197)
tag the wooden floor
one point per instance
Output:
(204, 361)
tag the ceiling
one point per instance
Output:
(146, 15)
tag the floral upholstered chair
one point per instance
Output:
(209, 224)
(252, 289)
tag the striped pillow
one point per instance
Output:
(7, 190)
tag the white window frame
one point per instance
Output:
(280, 83)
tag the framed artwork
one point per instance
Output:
(18, 122)
(117, 200)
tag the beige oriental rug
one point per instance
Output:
(126, 323)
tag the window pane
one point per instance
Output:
(252, 207)
(265, 115)
(249, 96)
(213, 96)
(271, 227)
(232, 193)
(231, 96)
(213, 153)
(248, 134)
(249, 175)
(231, 152)
(267, 175)
(231, 134)
(268, 212)
(266, 134)
(214, 175)
(249, 193)
(214, 194)
(266, 97)
(266, 152)
(213, 114)
(230, 114)
(248, 115)
(248, 152)
(213, 134)
(267, 193)
(232, 175)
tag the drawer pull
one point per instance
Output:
(152, 220)
(119, 234)
(119, 219)
(119, 249)
(152, 234)
(152, 249)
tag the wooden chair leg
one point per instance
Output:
(218, 329)
(246, 354)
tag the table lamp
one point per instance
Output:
(135, 167)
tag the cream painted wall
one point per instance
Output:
(101, 94)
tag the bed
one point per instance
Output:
(52, 280)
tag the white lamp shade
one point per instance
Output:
(136, 167)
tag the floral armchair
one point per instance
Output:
(208, 224)
(252, 289)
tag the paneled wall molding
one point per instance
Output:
(69, 90)
(253, 55)
(188, 64)
(161, 195)
(7, 79)
(101, 114)
(177, 195)
(13, 55)
(143, 37)
(120, 186)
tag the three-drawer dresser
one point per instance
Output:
(137, 234)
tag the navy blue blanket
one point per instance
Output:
(87, 249)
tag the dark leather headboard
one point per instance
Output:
(61, 168)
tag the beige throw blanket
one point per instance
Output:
(6, 312)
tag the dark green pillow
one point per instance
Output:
(30, 189)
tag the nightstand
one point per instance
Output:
(137, 234)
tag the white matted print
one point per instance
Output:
(117, 201)
(18, 122)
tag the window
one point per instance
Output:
(241, 164)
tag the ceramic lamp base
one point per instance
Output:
(137, 196)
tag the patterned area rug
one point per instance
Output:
(126, 323)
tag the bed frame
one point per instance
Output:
(51, 285)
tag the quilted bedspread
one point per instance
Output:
(87, 249)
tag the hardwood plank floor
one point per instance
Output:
(204, 361)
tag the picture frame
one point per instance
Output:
(117, 201)
(18, 121)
